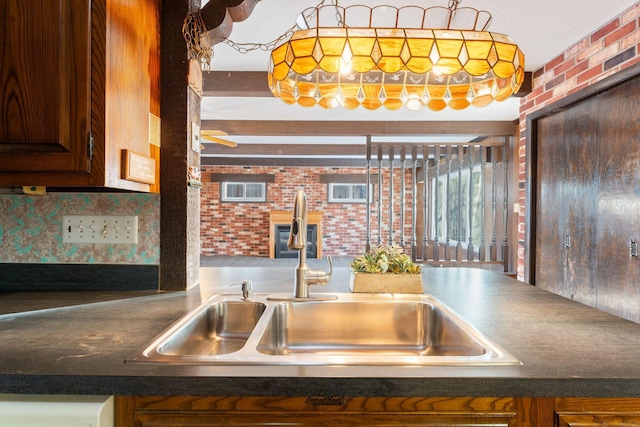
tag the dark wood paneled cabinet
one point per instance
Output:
(588, 187)
(375, 411)
(79, 85)
(314, 411)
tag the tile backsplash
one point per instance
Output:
(31, 228)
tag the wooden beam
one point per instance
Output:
(282, 162)
(254, 84)
(286, 150)
(236, 84)
(219, 15)
(526, 87)
(363, 128)
(242, 177)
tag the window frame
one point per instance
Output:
(351, 199)
(244, 199)
(440, 185)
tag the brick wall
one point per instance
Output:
(611, 48)
(243, 228)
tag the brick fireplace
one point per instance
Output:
(279, 220)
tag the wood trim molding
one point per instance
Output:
(239, 177)
(351, 178)
(359, 128)
(282, 162)
(285, 150)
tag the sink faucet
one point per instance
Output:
(304, 277)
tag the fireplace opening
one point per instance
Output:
(282, 238)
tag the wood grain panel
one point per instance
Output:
(591, 192)
(132, 38)
(598, 420)
(584, 412)
(619, 204)
(326, 404)
(551, 214)
(44, 88)
(581, 198)
(317, 411)
(567, 209)
(285, 420)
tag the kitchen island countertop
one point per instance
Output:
(566, 349)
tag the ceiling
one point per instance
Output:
(542, 28)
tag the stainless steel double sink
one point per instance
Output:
(354, 329)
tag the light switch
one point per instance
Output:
(107, 229)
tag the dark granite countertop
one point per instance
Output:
(566, 349)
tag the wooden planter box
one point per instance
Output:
(386, 283)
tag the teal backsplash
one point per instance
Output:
(31, 230)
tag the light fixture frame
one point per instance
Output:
(391, 57)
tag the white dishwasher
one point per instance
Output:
(30, 410)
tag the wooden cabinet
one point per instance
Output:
(314, 411)
(568, 153)
(79, 92)
(375, 411)
(597, 412)
(588, 175)
(617, 272)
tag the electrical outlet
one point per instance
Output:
(108, 229)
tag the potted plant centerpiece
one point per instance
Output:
(386, 269)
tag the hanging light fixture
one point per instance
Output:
(392, 57)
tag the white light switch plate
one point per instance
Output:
(108, 229)
(195, 137)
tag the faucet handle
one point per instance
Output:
(315, 277)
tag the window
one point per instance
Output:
(244, 191)
(453, 214)
(349, 193)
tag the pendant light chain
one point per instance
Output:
(248, 47)
(453, 4)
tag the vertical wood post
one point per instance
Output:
(414, 203)
(180, 105)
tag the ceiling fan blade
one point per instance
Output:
(214, 132)
(220, 141)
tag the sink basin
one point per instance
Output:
(355, 329)
(215, 328)
(402, 328)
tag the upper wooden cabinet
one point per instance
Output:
(79, 92)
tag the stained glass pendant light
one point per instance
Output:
(390, 57)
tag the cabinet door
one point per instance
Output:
(598, 420)
(585, 412)
(566, 214)
(619, 222)
(44, 85)
(551, 211)
(581, 199)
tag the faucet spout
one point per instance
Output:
(298, 233)
(304, 277)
